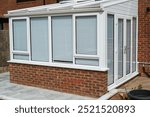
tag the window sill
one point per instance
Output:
(61, 65)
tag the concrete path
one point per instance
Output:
(11, 91)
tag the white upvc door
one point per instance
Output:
(122, 51)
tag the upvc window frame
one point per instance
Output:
(17, 52)
(100, 67)
(84, 56)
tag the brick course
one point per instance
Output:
(144, 35)
(81, 82)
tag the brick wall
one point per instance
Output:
(4, 50)
(144, 35)
(81, 82)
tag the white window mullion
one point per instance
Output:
(74, 38)
(98, 37)
(11, 38)
(50, 38)
(102, 41)
(28, 38)
(131, 46)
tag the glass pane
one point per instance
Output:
(86, 35)
(110, 48)
(21, 57)
(39, 39)
(20, 35)
(87, 62)
(128, 46)
(62, 38)
(134, 46)
(120, 48)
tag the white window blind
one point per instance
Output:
(110, 48)
(62, 40)
(19, 35)
(39, 39)
(86, 35)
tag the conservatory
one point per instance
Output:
(85, 47)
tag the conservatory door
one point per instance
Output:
(119, 54)
(123, 50)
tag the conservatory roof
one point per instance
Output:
(68, 7)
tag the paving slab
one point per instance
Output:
(13, 91)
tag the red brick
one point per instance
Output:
(93, 85)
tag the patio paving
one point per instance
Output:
(143, 82)
(11, 91)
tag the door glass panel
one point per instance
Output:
(134, 46)
(110, 48)
(120, 48)
(128, 46)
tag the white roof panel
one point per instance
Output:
(74, 6)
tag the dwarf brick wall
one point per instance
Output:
(81, 82)
(144, 35)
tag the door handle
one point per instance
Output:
(125, 49)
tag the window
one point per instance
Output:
(62, 40)
(24, 0)
(39, 39)
(20, 35)
(86, 35)
(56, 40)
(86, 40)
(20, 39)
(120, 47)
(128, 46)
(110, 48)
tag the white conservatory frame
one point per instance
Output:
(74, 9)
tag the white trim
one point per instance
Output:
(83, 56)
(137, 65)
(28, 38)
(102, 40)
(21, 52)
(120, 82)
(69, 66)
(86, 56)
(11, 38)
(50, 38)
(74, 38)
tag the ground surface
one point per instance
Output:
(20, 92)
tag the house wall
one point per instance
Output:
(81, 82)
(144, 36)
